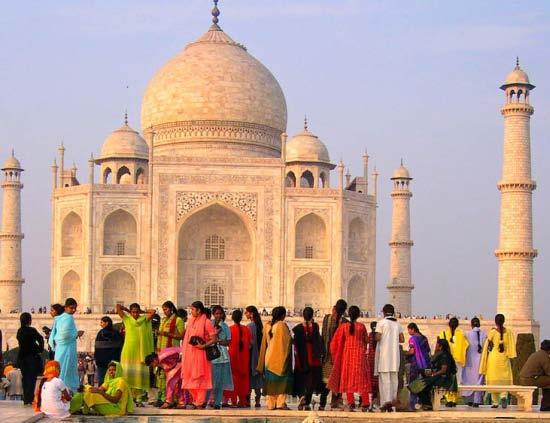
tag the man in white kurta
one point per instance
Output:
(389, 335)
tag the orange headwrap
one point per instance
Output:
(7, 369)
(52, 369)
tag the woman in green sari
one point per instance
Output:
(113, 398)
(441, 375)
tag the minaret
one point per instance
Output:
(515, 252)
(11, 279)
(400, 284)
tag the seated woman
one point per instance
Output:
(52, 396)
(441, 375)
(113, 398)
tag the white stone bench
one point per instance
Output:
(524, 394)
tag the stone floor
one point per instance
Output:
(14, 412)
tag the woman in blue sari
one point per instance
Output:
(63, 340)
(418, 357)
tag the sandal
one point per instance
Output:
(166, 405)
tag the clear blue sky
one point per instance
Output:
(416, 80)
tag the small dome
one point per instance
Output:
(124, 143)
(306, 147)
(401, 173)
(517, 77)
(12, 163)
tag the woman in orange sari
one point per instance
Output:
(239, 357)
(196, 370)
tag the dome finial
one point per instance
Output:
(305, 123)
(401, 161)
(215, 14)
(517, 62)
(13, 152)
(126, 117)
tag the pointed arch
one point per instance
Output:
(307, 180)
(309, 291)
(357, 240)
(356, 292)
(70, 286)
(120, 234)
(311, 237)
(71, 235)
(119, 286)
(123, 176)
(140, 176)
(323, 180)
(290, 180)
(107, 176)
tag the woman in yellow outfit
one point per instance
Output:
(498, 350)
(113, 398)
(459, 344)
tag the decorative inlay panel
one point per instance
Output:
(187, 201)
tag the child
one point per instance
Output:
(4, 383)
(15, 388)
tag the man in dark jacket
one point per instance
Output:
(536, 372)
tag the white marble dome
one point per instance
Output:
(215, 91)
(401, 173)
(125, 143)
(306, 147)
(12, 163)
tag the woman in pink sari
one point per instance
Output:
(196, 370)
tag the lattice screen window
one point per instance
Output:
(120, 248)
(309, 251)
(214, 294)
(214, 248)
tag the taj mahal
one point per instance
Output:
(212, 200)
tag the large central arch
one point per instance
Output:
(118, 287)
(310, 291)
(216, 254)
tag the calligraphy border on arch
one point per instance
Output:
(166, 180)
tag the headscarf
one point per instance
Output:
(52, 369)
(118, 373)
(7, 370)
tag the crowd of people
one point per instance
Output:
(198, 361)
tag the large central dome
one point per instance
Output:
(214, 98)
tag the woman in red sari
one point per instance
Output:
(239, 357)
(196, 370)
(349, 351)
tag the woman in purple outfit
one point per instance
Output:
(470, 373)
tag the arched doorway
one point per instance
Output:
(70, 287)
(118, 287)
(309, 291)
(356, 294)
(215, 258)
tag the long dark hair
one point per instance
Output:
(59, 310)
(476, 324)
(237, 317)
(199, 306)
(444, 344)
(70, 302)
(453, 324)
(307, 314)
(499, 321)
(353, 313)
(277, 314)
(258, 322)
(340, 307)
(169, 304)
(373, 332)
(415, 328)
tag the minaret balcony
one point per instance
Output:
(516, 254)
(516, 186)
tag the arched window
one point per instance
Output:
(290, 180)
(307, 180)
(70, 286)
(311, 238)
(120, 234)
(214, 294)
(119, 287)
(357, 240)
(323, 180)
(123, 176)
(71, 235)
(214, 248)
(309, 291)
(140, 176)
(107, 176)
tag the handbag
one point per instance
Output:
(417, 385)
(212, 351)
